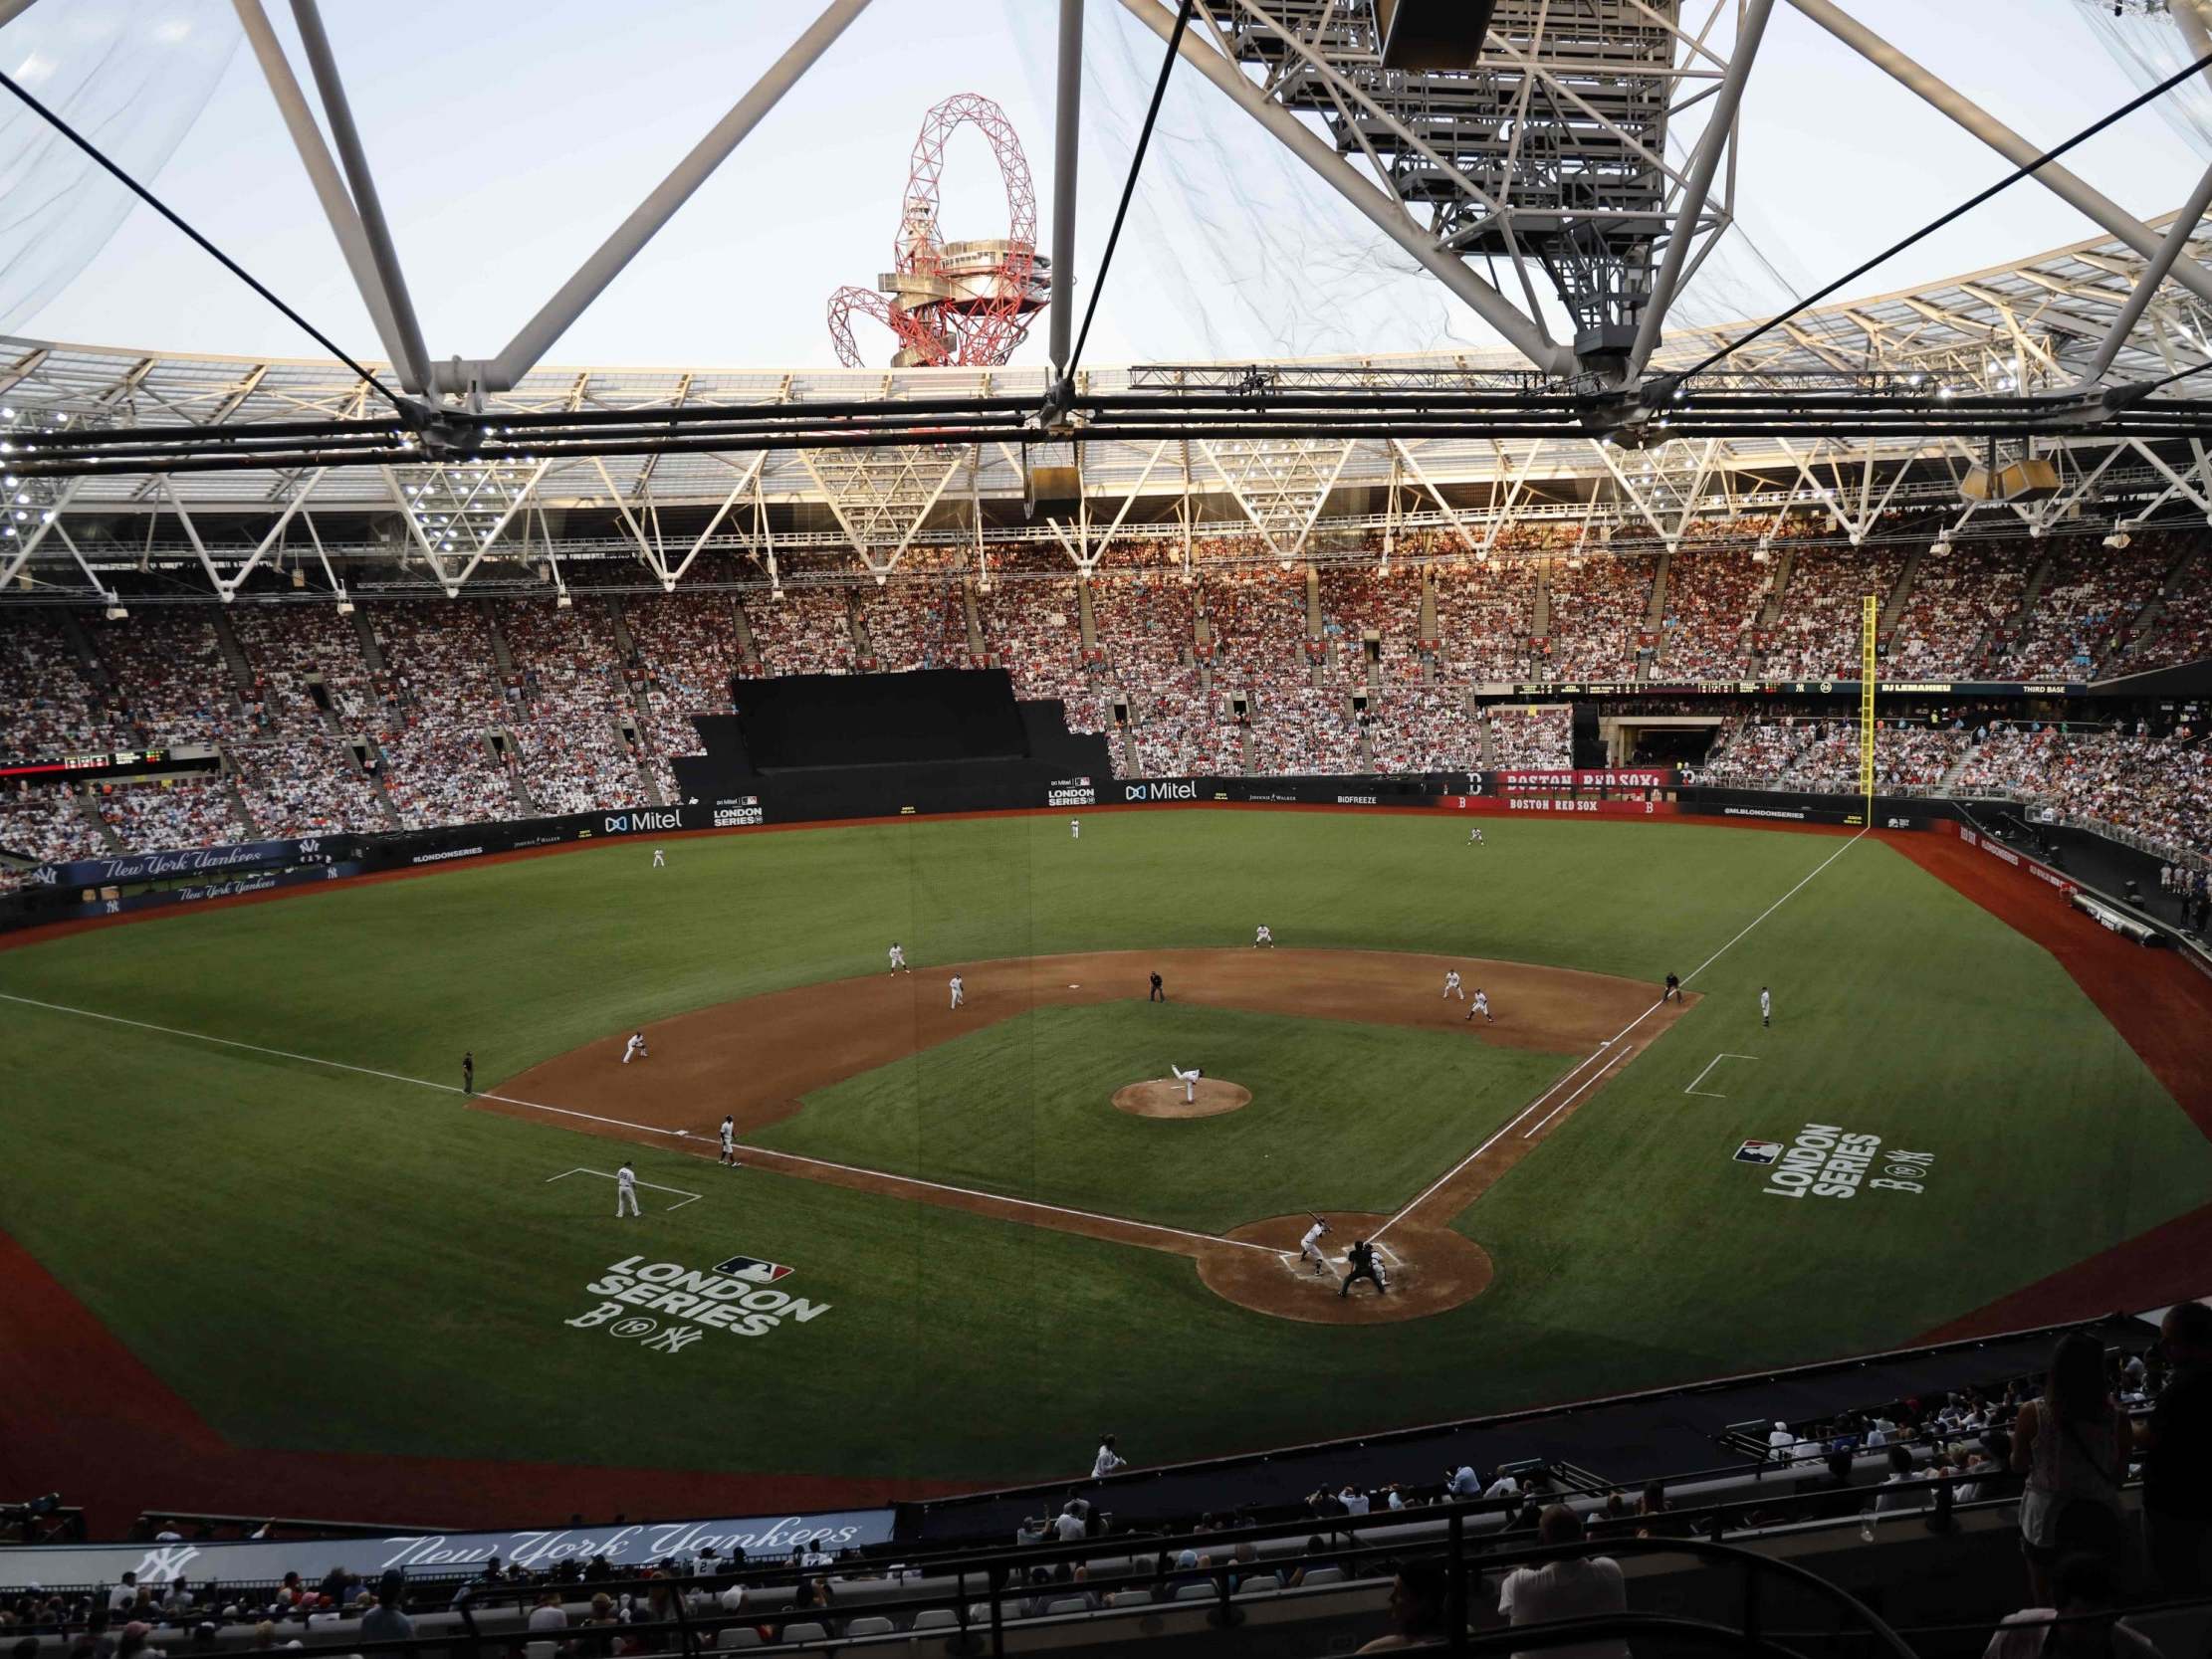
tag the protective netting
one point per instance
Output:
(1235, 248)
(2149, 42)
(132, 76)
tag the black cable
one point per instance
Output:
(1963, 208)
(1129, 186)
(227, 262)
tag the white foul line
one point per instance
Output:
(1602, 1049)
(623, 1123)
(688, 1197)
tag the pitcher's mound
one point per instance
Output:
(1163, 1098)
(1429, 1269)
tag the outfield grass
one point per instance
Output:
(1343, 1117)
(322, 1259)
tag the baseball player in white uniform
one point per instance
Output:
(1309, 1247)
(625, 1192)
(1188, 1080)
(660, 859)
(1075, 829)
(960, 992)
(729, 1141)
(1265, 935)
(1766, 1007)
(1482, 1006)
(1474, 835)
(898, 958)
(634, 1049)
(1451, 984)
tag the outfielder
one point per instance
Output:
(1474, 835)
(625, 1192)
(1482, 1006)
(960, 992)
(660, 859)
(1451, 984)
(898, 958)
(729, 1141)
(1309, 1247)
(1766, 1007)
(634, 1049)
(1075, 829)
(1265, 935)
(1188, 1080)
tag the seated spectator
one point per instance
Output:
(1574, 1587)
(1419, 1609)
(2088, 1596)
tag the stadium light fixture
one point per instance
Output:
(2118, 537)
(563, 603)
(1942, 548)
(115, 613)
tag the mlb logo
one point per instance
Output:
(753, 1267)
(1758, 1152)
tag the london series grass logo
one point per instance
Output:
(665, 1307)
(1826, 1162)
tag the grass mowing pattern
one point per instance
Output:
(321, 1260)
(1343, 1117)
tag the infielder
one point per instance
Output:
(1452, 985)
(898, 958)
(660, 859)
(960, 992)
(625, 1192)
(634, 1049)
(1474, 836)
(1482, 1006)
(1309, 1247)
(1766, 1007)
(1188, 1080)
(729, 1141)
(1075, 829)
(1265, 936)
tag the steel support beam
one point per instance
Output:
(558, 313)
(413, 358)
(1719, 133)
(323, 173)
(2146, 286)
(1066, 137)
(10, 10)
(1525, 333)
(2067, 186)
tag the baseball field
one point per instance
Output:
(260, 1237)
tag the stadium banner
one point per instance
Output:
(1564, 689)
(129, 762)
(1352, 789)
(1582, 777)
(1777, 806)
(137, 868)
(246, 1561)
(230, 886)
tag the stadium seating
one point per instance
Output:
(1596, 617)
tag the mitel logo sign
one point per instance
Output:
(1164, 791)
(628, 823)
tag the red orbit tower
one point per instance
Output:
(953, 303)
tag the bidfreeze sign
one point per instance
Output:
(438, 1553)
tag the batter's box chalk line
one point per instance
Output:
(650, 1187)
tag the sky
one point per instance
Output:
(509, 136)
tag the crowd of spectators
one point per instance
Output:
(1259, 633)
(47, 706)
(1357, 601)
(291, 647)
(1542, 737)
(801, 630)
(46, 823)
(1305, 729)
(1957, 603)
(1816, 633)
(1146, 628)
(1420, 730)
(1822, 753)
(306, 785)
(1598, 607)
(1712, 604)
(2180, 629)
(171, 815)
(167, 670)
(2087, 606)
(912, 624)
(1483, 615)
(2153, 784)
(574, 755)
(442, 703)
(1034, 628)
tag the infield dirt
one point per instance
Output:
(756, 1059)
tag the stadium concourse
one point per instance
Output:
(416, 711)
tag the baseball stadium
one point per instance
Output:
(1415, 860)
